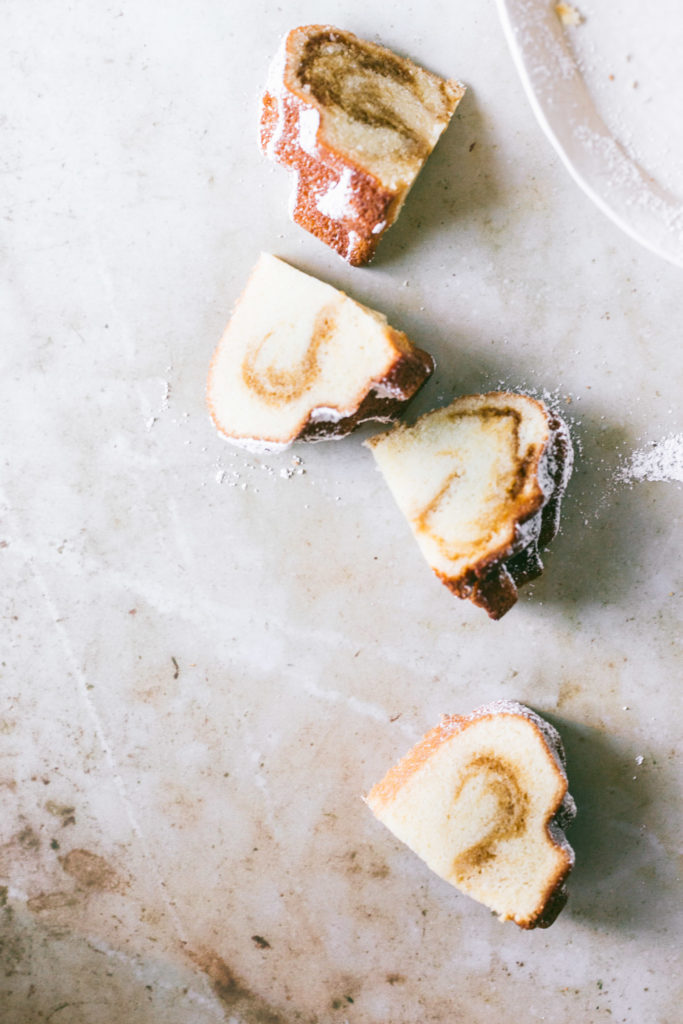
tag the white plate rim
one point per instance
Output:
(566, 112)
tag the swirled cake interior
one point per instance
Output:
(355, 123)
(474, 480)
(479, 799)
(301, 359)
(380, 109)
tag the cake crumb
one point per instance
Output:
(568, 15)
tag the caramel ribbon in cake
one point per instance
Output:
(343, 74)
(511, 810)
(277, 385)
(499, 512)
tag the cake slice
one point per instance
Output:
(301, 360)
(480, 483)
(355, 122)
(483, 800)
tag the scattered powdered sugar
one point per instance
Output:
(246, 475)
(640, 192)
(296, 469)
(629, 57)
(661, 460)
(154, 394)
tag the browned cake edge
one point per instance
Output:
(382, 398)
(386, 397)
(493, 582)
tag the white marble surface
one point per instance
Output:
(206, 661)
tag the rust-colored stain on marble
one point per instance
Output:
(65, 812)
(235, 995)
(51, 901)
(27, 839)
(365, 862)
(90, 870)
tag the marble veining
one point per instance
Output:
(209, 656)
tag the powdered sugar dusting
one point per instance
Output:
(309, 122)
(629, 58)
(337, 202)
(354, 239)
(662, 460)
(247, 476)
(328, 414)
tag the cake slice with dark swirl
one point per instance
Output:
(355, 123)
(480, 482)
(483, 800)
(300, 360)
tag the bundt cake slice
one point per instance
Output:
(483, 800)
(480, 483)
(301, 360)
(355, 122)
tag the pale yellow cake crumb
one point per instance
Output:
(568, 15)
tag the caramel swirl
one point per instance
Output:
(511, 810)
(424, 520)
(342, 73)
(277, 385)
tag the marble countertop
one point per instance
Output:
(209, 656)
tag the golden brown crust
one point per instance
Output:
(382, 793)
(387, 396)
(554, 902)
(352, 238)
(353, 234)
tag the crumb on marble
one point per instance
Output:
(568, 14)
